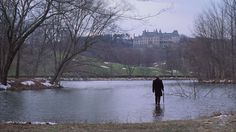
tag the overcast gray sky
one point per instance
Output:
(179, 16)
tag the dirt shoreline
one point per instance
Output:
(221, 123)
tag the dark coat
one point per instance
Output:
(157, 87)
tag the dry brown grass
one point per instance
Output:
(212, 124)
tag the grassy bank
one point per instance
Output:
(213, 124)
(95, 67)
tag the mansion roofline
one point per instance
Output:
(156, 39)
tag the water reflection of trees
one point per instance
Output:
(184, 89)
(194, 89)
(11, 106)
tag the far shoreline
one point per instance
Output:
(40, 83)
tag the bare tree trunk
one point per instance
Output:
(232, 45)
(17, 27)
(233, 37)
(57, 75)
(77, 31)
(6, 68)
(38, 60)
(18, 64)
(4, 78)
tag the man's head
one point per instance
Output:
(157, 77)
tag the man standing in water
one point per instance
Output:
(157, 88)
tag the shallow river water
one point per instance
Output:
(117, 101)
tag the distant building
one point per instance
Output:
(156, 39)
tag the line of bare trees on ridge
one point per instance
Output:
(213, 51)
(66, 28)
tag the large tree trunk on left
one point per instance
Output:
(6, 67)
(3, 77)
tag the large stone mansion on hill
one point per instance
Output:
(156, 39)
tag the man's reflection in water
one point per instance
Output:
(158, 113)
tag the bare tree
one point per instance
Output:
(128, 57)
(77, 30)
(19, 19)
(230, 6)
(215, 30)
(39, 46)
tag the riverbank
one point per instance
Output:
(28, 84)
(43, 83)
(25, 83)
(221, 123)
(223, 81)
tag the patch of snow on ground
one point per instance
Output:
(19, 122)
(104, 67)
(39, 78)
(4, 86)
(222, 81)
(221, 116)
(10, 81)
(47, 83)
(28, 83)
(34, 123)
(123, 68)
(43, 123)
(222, 119)
(106, 63)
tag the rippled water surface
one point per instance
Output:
(117, 101)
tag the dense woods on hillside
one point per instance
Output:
(215, 46)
